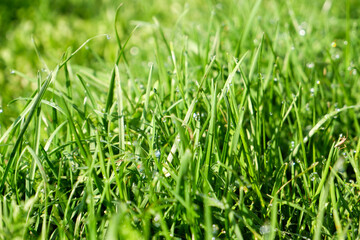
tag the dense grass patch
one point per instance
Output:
(193, 120)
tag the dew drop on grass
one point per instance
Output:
(1, 110)
(312, 90)
(157, 220)
(310, 65)
(265, 229)
(313, 176)
(215, 229)
(292, 144)
(302, 32)
(134, 51)
(157, 153)
(196, 116)
(12, 72)
(108, 36)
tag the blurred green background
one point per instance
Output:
(59, 24)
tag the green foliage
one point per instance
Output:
(187, 120)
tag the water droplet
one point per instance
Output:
(134, 51)
(265, 229)
(310, 65)
(345, 42)
(157, 153)
(196, 116)
(215, 229)
(271, 113)
(318, 82)
(313, 176)
(302, 32)
(12, 72)
(1, 110)
(275, 79)
(108, 36)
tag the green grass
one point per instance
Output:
(193, 120)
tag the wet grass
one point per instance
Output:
(236, 120)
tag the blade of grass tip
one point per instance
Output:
(231, 76)
(326, 170)
(147, 96)
(8, 133)
(174, 62)
(249, 24)
(68, 83)
(295, 177)
(273, 219)
(305, 180)
(320, 123)
(120, 110)
(207, 49)
(254, 60)
(162, 35)
(101, 155)
(253, 176)
(211, 131)
(78, 141)
(79, 48)
(324, 192)
(51, 165)
(189, 113)
(53, 134)
(37, 120)
(295, 206)
(110, 96)
(39, 55)
(336, 215)
(88, 92)
(32, 108)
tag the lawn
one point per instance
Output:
(160, 119)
